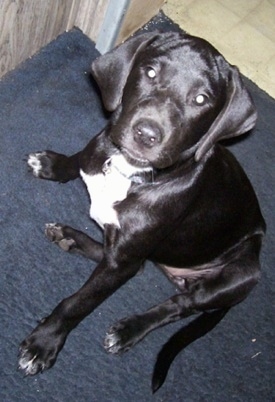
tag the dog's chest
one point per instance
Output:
(107, 188)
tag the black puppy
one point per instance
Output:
(162, 189)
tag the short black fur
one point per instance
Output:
(195, 214)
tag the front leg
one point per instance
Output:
(74, 241)
(40, 349)
(50, 165)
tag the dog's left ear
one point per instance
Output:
(111, 70)
(237, 116)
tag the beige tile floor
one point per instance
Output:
(242, 30)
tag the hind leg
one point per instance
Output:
(229, 286)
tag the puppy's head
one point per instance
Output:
(173, 96)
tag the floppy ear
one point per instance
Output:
(237, 116)
(112, 69)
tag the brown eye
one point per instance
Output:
(151, 73)
(200, 99)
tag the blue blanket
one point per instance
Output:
(51, 102)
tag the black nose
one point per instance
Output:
(147, 133)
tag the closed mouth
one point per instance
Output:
(135, 159)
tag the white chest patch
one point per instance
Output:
(109, 187)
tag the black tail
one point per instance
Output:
(186, 335)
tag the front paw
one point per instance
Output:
(124, 334)
(39, 350)
(50, 165)
(41, 164)
(56, 234)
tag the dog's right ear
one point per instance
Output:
(111, 70)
